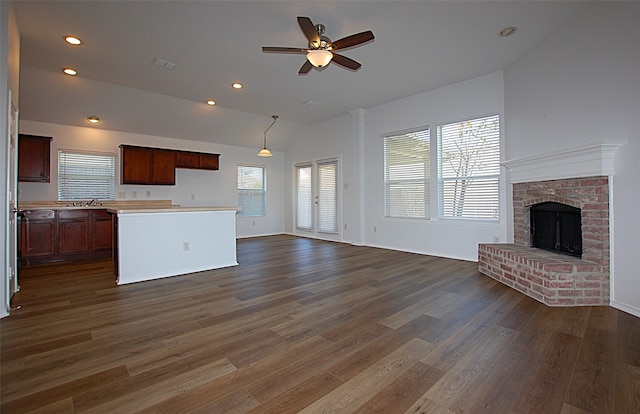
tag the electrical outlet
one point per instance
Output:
(193, 196)
(496, 239)
(122, 194)
(185, 246)
(148, 194)
(375, 229)
(345, 226)
(134, 194)
(253, 223)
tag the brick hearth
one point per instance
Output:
(552, 278)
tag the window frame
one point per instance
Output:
(263, 192)
(496, 176)
(425, 132)
(84, 192)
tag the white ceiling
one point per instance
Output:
(418, 46)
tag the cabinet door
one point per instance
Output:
(136, 165)
(163, 167)
(186, 159)
(209, 161)
(101, 229)
(37, 233)
(34, 158)
(73, 231)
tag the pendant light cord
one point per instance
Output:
(275, 118)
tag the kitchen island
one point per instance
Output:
(152, 243)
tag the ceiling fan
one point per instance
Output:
(321, 50)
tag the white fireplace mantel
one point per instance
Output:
(586, 161)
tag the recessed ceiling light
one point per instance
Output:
(70, 71)
(93, 119)
(508, 31)
(72, 40)
(211, 102)
(237, 85)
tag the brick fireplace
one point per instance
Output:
(553, 278)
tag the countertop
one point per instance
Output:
(120, 206)
(111, 204)
(171, 209)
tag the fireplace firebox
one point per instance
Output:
(556, 227)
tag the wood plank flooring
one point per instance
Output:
(310, 326)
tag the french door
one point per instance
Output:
(317, 204)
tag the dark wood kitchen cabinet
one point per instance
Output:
(101, 229)
(163, 167)
(34, 158)
(149, 166)
(73, 231)
(36, 233)
(197, 160)
(47, 236)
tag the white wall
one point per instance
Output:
(330, 139)
(450, 238)
(193, 187)
(357, 139)
(582, 85)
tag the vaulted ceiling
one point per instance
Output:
(418, 46)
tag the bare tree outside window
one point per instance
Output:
(469, 168)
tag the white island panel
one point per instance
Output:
(154, 245)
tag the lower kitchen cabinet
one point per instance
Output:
(102, 230)
(47, 236)
(37, 232)
(73, 231)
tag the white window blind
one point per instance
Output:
(328, 196)
(469, 169)
(85, 175)
(251, 191)
(304, 197)
(407, 174)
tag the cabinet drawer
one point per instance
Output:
(101, 215)
(71, 214)
(38, 214)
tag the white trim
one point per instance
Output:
(632, 310)
(587, 161)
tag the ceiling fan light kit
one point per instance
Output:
(319, 58)
(321, 50)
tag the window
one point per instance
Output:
(469, 169)
(85, 175)
(407, 174)
(251, 191)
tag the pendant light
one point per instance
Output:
(264, 152)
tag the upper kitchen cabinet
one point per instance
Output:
(34, 158)
(197, 160)
(157, 166)
(151, 166)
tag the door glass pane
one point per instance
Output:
(327, 197)
(304, 196)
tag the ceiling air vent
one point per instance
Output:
(163, 63)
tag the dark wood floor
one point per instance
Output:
(310, 326)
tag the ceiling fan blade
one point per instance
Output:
(353, 40)
(270, 49)
(345, 62)
(309, 30)
(305, 68)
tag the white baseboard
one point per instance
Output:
(632, 310)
